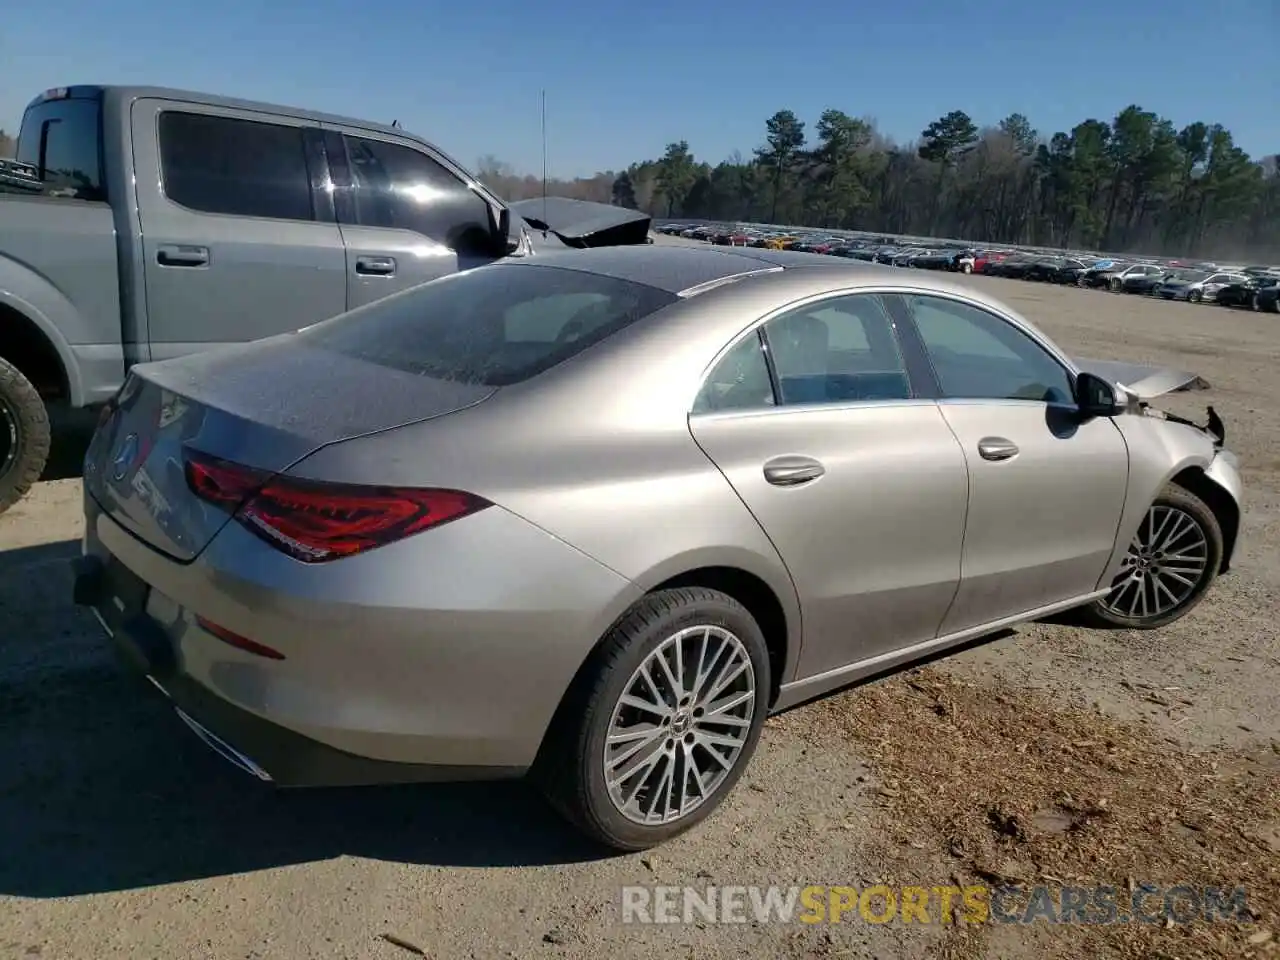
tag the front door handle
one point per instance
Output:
(997, 448)
(791, 471)
(376, 266)
(182, 255)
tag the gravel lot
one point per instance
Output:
(121, 835)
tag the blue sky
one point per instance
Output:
(622, 80)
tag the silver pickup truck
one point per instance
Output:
(139, 224)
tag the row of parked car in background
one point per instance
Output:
(1253, 287)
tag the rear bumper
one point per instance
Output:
(440, 657)
(257, 746)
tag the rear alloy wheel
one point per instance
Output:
(664, 720)
(1172, 560)
(1116, 284)
(24, 435)
(1195, 296)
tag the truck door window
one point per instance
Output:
(243, 168)
(61, 139)
(401, 188)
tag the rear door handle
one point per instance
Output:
(997, 448)
(376, 266)
(182, 255)
(791, 471)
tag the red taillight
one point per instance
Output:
(314, 521)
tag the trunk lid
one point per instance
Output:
(266, 404)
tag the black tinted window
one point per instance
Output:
(402, 188)
(841, 350)
(239, 167)
(740, 381)
(977, 355)
(62, 140)
(495, 325)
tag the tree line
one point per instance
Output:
(1136, 183)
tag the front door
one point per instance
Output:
(860, 484)
(1046, 490)
(233, 248)
(406, 216)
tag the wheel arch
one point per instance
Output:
(778, 621)
(34, 346)
(1226, 509)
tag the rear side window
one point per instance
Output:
(243, 168)
(492, 326)
(62, 140)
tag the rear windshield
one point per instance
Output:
(60, 140)
(493, 326)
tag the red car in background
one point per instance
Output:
(983, 257)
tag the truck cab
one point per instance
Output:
(140, 224)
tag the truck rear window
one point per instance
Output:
(494, 326)
(62, 140)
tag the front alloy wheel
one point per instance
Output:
(1170, 563)
(661, 721)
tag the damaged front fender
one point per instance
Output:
(1143, 381)
(584, 223)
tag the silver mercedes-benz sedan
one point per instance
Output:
(594, 515)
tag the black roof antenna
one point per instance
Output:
(396, 124)
(544, 160)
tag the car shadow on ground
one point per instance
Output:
(72, 431)
(102, 788)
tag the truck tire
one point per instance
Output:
(24, 435)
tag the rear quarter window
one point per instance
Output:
(494, 326)
(62, 140)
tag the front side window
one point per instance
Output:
(61, 140)
(979, 356)
(493, 326)
(404, 189)
(241, 168)
(841, 350)
(740, 381)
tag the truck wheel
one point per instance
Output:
(24, 435)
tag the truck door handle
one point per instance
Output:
(997, 448)
(376, 266)
(791, 471)
(181, 255)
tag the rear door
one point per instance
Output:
(234, 247)
(407, 215)
(858, 482)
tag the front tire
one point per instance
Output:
(1195, 296)
(660, 725)
(1170, 564)
(25, 435)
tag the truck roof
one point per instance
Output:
(121, 95)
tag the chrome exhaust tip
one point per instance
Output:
(222, 748)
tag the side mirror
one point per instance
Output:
(1096, 397)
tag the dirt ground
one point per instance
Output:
(1056, 755)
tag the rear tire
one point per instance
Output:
(25, 435)
(1170, 565)
(585, 756)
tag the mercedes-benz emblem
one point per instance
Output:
(124, 457)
